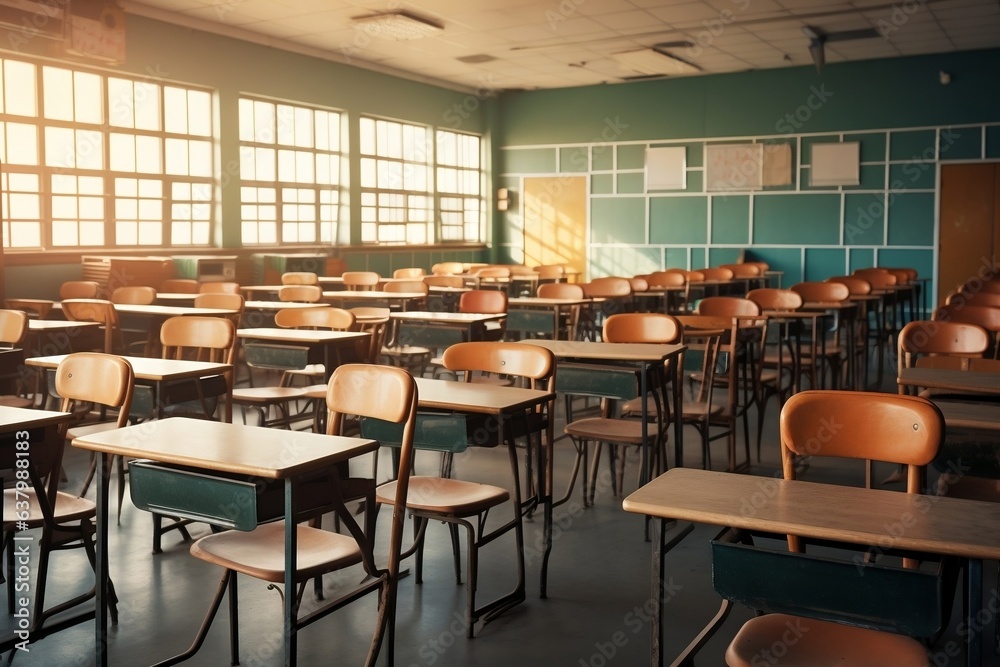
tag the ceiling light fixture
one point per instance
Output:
(654, 62)
(396, 25)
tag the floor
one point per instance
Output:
(595, 614)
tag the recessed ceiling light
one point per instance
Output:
(654, 62)
(396, 25)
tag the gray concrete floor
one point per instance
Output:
(594, 616)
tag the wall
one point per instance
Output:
(906, 121)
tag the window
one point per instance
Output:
(405, 182)
(290, 165)
(110, 161)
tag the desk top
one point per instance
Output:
(571, 349)
(887, 519)
(545, 301)
(301, 335)
(18, 418)
(971, 382)
(478, 398)
(969, 414)
(371, 295)
(279, 305)
(58, 325)
(149, 368)
(447, 318)
(234, 448)
(170, 311)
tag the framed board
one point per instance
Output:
(734, 167)
(835, 164)
(666, 168)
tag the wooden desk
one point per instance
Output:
(214, 447)
(504, 403)
(440, 329)
(158, 372)
(347, 298)
(940, 525)
(968, 382)
(536, 314)
(32, 426)
(325, 345)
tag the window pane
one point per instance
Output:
(89, 149)
(176, 156)
(199, 113)
(175, 110)
(57, 93)
(263, 115)
(122, 156)
(19, 88)
(87, 98)
(60, 147)
(149, 160)
(147, 106)
(22, 144)
(120, 102)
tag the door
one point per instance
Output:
(555, 222)
(969, 223)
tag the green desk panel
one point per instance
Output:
(796, 219)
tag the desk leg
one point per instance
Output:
(656, 581)
(678, 388)
(101, 562)
(974, 595)
(291, 602)
(546, 452)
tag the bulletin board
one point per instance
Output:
(835, 164)
(666, 168)
(734, 167)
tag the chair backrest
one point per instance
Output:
(560, 291)
(717, 273)
(139, 295)
(482, 301)
(100, 311)
(489, 273)
(732, 306)
(444, 281)
(416, 285)
(694, 276)
(666, 279)
(968, 298)
(894, 428)
(413, 272)
(607, 287)
(638, 284)
(300, 293)
(198, 338)
(447, 268)
(374, 321)
(334, 319)
(219, 300)
(641, 328)
(299, 278)
(179, 286)
(40, 308)
(855, 284)
(986, 317)
(822, 292)
(743, 270)
(361, 280)
(225, 287)
(537, 364)
(952, 339)
(79, 289)
(13, 327)
(762, 266)
(903, 276)
(550, 271)
(879, 279)
(771, 298)
(350, 392)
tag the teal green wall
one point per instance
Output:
(907, 123)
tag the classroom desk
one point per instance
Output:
(504, 403)
(214, 447)
(394, 300)
(969, 382)
(157, 373)
(642, 355)
(176, 298)
(54, 336)
(324, 346)
(534, 314)
(440, 329)
(948, 526)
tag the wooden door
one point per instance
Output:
(555, 222)
(969, 232)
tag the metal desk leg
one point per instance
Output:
(291, 603)
(101, 561)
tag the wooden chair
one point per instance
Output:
(299, 278)
(224, 301)
(836, 349)
(66, 520)
(984, 316)
(300, 293)
(361, 280)
(495, 277)
(487, 302)
(465, 504)
(410, 273)
(226, 287)
(416, 285)
(900, 429)
(179, 286)
(13, 332)
(134, 335)
(448, 269)
(375, 321)
(323, 318)
(570, 319)
(140, 295)
(79, 289)
(259, 553)
(613, 295)
(444, 280)
(100, 311)
(618, 389)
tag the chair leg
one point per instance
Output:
(206, 624)
(456, 552)
(573, 475)
(234, 622)
(591, 487)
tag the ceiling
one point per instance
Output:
(530, 44)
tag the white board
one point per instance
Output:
(835, 164)
(666, 168)
(733, 167)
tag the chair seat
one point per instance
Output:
(628, 431)
(446, 496)
(811, 643)
(691, 410)
(68, 508)
(260, 553)
(267, 394)
(11, 401)
(90, 429)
